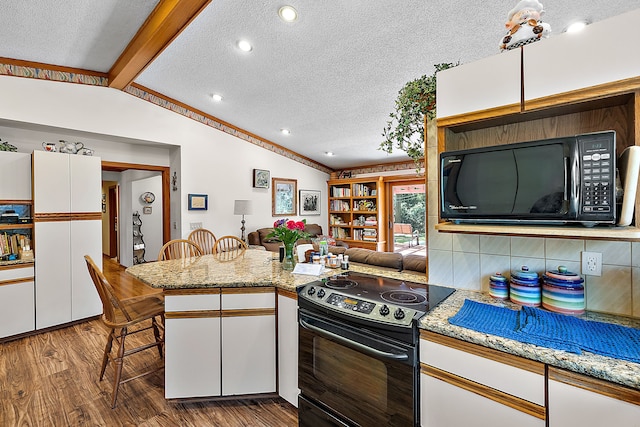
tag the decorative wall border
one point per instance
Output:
(16, 68)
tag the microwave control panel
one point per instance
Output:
(598, 176)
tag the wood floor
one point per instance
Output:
(51, 379)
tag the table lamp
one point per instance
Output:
(242, 207)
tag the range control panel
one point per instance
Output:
(598, 176)
(358, 307)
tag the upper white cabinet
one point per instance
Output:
(85, 183)
(15, 176)
(603, 52)
(480, 85)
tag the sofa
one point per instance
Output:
(259, 237)
(392, 260)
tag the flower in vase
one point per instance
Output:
(289, 231)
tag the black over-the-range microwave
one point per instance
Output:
(553, 181)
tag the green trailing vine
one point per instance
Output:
(405, 130)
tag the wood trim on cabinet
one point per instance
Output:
(164, 24)
(488, 353)
(193, 314)
(476, 116)
(15, 202)
(288, 294)
(195, 291)
(19, 265)
(14, 281)
(249, 290)
(498, 396)
(66, 216)
(249, 312)
(596, 385)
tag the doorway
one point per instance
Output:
(407, 201)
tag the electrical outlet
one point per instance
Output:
(592, 263)
(195, 225)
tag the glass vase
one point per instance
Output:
(288, 261)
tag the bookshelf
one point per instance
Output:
(356, 212)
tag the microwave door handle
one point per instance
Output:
(566, 178)
(351, 343)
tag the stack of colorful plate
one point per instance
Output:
(563, 291)
(524, 287)
(499, 286)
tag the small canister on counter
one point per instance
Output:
(524, 287)
(563, 291)
(499, 286)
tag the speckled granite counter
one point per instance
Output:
(254, 268)
(606, 368)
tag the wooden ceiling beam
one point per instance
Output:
(162, 26)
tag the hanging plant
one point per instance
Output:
(405, 130)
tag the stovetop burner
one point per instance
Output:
(338, 282)
(403, 297)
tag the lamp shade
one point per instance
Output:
(242, 207)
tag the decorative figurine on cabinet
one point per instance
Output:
(524, 25)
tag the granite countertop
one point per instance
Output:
(606, 368)
(254, 268)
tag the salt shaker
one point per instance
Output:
(345, 262)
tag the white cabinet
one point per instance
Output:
(480, 85)
(288, 347)
(578, 400)
(248, 341)
(68, 225)
(17, 306)
(494, 388)
(15, 176)
(603, 52)
(192, 345)
(220, 345)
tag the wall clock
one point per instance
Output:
(148, 197)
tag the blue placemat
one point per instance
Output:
(607, 339)
(503, 322)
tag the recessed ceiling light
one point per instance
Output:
(576, 26)
(329, 153)
(285, 131)
(288, 14)
(244, 46)
(216, 97)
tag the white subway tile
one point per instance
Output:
(466, 243)
(635, 290)
(635, 254)
(613, 253)
(531, 247)
(611, 292)
(495, 245)
(564, 249)
(466, 270)
(437, 240)
(440, 267)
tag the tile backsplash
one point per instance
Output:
(466, 260)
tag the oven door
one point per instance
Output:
(353, 375)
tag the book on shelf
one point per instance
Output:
(339, 233)
(339, 206)
(340, 192)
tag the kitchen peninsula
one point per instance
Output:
(221, 316)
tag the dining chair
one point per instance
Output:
(230, 244)
(203, 238)
(125, 318)
(179, 248)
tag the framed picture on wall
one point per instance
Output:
(309, 202)
(283, 196)
(198, 202)
(261, 178)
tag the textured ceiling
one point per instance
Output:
(331, 77)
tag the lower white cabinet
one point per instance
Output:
(465, 384)
(288, 347)
(64, 289)
(220, 342)
(17, 300)
(248, 341)
(578, 400)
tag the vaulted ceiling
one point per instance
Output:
(330, 77)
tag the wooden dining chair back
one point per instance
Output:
(203, 238)
(179, 248)
(230, 245)
(124, 318)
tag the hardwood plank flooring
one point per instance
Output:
(51, 379)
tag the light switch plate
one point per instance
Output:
(592, 263)
(195, 225)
